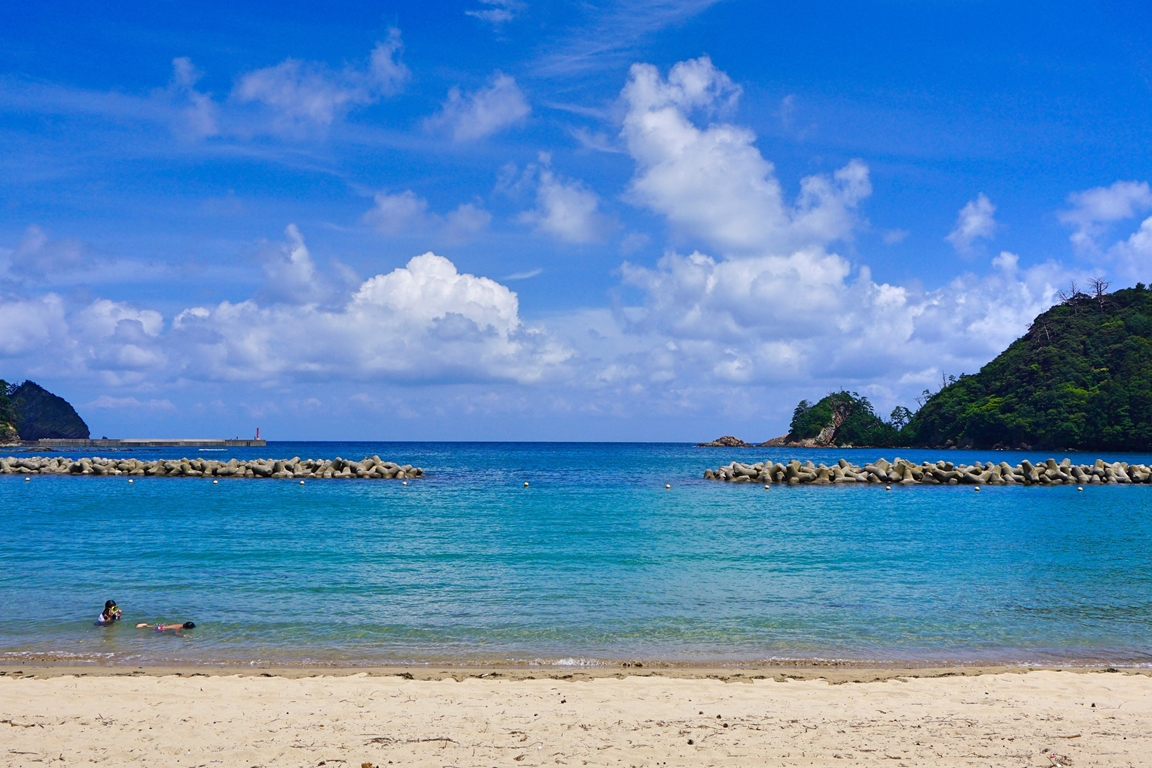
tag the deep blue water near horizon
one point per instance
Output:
(594, 563)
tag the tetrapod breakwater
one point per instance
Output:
(903, 472)
(370, 468)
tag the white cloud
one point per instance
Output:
(40, 258)
(406, 213)
(712, 183)
(300, 93)
(809, 320)
(498, 12)
(303, 95)
(599, 141)
(199, 115)
(107, 402)
(429, 288)
(976, 221)
(425, 321)
(465, 221)
(1093, 209)
(398, 214)
(387, 73)
(103, 319)
(290, 272)
(112, 340)
(613, 33)
(527, 275)
(29, 324)
(1132, 258)
(473, 116)
(1092, 214)
(293, 98)
(566, 209)
(118, 339)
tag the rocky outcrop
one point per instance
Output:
(728, 441)
(784, 442)
(40, 414)
(904, 472)
(371, 468)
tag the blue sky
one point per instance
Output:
(647, 220)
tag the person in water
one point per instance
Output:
(165, 627)
(110, 613)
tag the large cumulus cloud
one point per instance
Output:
(424, 322)
(712, 182)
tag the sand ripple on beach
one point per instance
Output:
(1011, 720)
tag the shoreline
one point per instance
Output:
(833, 674)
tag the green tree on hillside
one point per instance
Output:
(847, 416)
(1080, 378)
(7, 413)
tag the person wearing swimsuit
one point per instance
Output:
(165, 627)
(110, 613)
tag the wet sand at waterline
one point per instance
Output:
(524, 717)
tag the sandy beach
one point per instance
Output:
(197, 717)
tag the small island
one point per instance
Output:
(840, 419)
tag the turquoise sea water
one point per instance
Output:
(594, 563)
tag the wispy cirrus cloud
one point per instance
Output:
(199, 114)
(303, 95)
(41, 261)
(497, 12)
(608, 33)
(293, 99)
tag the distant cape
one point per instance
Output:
(40, 414)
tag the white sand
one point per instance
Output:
(1009, 719)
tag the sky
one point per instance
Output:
(526, 220)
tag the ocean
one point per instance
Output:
(594, 563)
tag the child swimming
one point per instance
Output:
(165, 627)
(110, 613)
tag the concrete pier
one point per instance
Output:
(147, 443)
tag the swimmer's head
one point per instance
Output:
(109, 604)
(189, 625)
